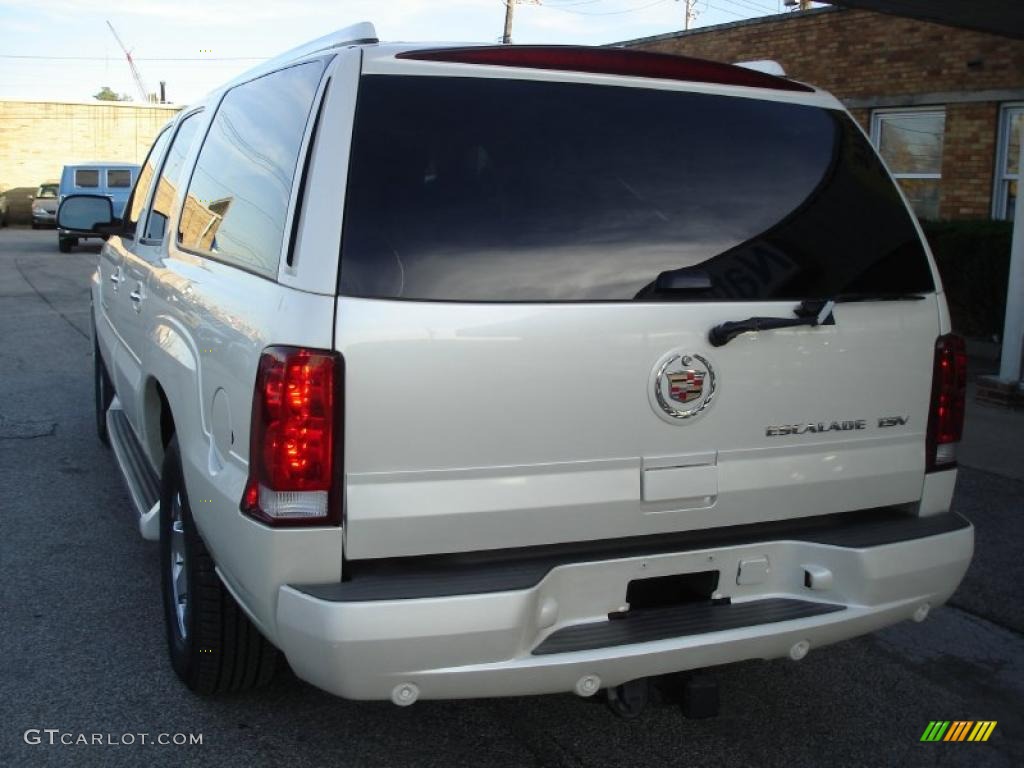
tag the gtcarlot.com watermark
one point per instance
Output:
(57, 737)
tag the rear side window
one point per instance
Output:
(510, 190)
(119, 178)
(137, 201)
(170, 178)
(238, 197)
(86, 177)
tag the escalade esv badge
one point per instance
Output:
(682, 385)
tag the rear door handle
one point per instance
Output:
(115, 277)
(137, 296)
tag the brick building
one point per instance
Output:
(943, 104)
(38, 138)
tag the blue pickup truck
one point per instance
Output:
(113, 180)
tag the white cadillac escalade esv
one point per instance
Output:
(487, 371)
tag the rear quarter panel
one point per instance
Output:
(211, 323)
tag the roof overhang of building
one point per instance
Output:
(999, 17)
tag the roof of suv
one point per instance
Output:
(102, 164)
(604, 65)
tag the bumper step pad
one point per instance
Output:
(679, 621)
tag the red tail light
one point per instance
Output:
(949, 391)
(294, 444)
(607, 61)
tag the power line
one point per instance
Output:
(725, 10)
(607, 13)
(752, 6)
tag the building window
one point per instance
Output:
(1011, 120)
(910, 142)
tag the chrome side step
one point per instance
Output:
(142, 481)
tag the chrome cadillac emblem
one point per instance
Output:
(686, 386)
(682, 385)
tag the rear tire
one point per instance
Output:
(103, 389)
(214, 648)
(64, 244)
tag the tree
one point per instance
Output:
(106, 94)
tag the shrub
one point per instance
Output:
(973, 257)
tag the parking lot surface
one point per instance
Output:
(82, 637)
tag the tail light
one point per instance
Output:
(606, 61)
(949, 389)
(295, 438)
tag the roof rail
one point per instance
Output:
(363, 32)
(767, 66)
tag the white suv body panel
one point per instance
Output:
(475, 427)
(314, 264)
(538, 427)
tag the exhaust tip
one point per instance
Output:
(922, 612)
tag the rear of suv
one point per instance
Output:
(481, 371)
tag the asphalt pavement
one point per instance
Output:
(82, 646)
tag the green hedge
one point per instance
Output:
(973, 257)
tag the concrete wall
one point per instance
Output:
(871, 61)
(38, 138)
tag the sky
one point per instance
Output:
(63, 49)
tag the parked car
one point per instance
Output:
(627, 364)
(44, 205)
(111, 180)
(3, 207)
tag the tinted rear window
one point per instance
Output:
(510, 190)
(87, 178)
(119, 178)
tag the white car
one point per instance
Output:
(486, 371)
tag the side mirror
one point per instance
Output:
(87, 213)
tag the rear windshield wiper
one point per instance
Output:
(810, 312)
(806, 314)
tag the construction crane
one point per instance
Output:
(131, 65)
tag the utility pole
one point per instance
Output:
(691, 12)
(506, 38)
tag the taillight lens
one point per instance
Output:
(606, 61)
(292, 447)
(949, 394)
